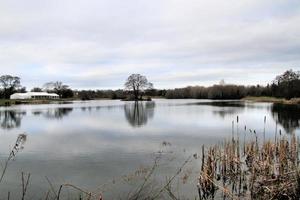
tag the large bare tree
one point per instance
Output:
(137, 83)
(58, 87)
(9, 85)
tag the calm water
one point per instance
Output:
(99, 145)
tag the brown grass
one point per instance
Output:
(251, 170)
(272, 100)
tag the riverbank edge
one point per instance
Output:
(10, 102)
(266, 99)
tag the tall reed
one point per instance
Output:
(251, 170)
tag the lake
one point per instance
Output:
(108, 146)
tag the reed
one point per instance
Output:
(251, 170)
(21, 139)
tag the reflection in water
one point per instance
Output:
(224, 108)
(37, 112)
(230, 111)
(117, 151)
(220, 103)
(11, 119)
(288, 116)
(57, 113)
(138, 113)
(228, 107)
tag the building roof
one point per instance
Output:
(36, 94)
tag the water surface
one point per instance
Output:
(98, 145)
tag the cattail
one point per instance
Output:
(270, 164)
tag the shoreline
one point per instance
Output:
(294, 101)
(262, 99)
(11, 102)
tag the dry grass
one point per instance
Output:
(251, 170)
(295, 101)
(272, 100)
(265, 99)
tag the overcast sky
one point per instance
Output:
(98, 43)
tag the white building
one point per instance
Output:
(34, 95)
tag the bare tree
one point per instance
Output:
(287, 85)
(55, 86)
(58, 87)
(137, 83)
(287, 76)
(36, 89)
(9, 85)
(222, 82)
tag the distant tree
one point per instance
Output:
(9, 85)
(222, 82)
(67, 93)
(36, 89)
(21, 90)
(59, 88)
(287, 77)
(137, 84)
(56, 86)
(86, 94)
(287, 85)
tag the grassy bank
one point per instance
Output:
(7, 102)
(272, 100)
(10, 102)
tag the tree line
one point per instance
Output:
(217, 92)
(286, 85)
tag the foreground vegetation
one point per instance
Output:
(251, 169)
(247, 166)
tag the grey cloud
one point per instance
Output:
(98, 43)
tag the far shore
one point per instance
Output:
(9, 102)
(272, 100)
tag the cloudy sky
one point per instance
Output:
(98, 43)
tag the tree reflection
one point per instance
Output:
(138, 113)
(57, 113)
(288, 116)
(11, 119)
(37, 112)
(224, 108)
(224, 112)
(234, 104)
